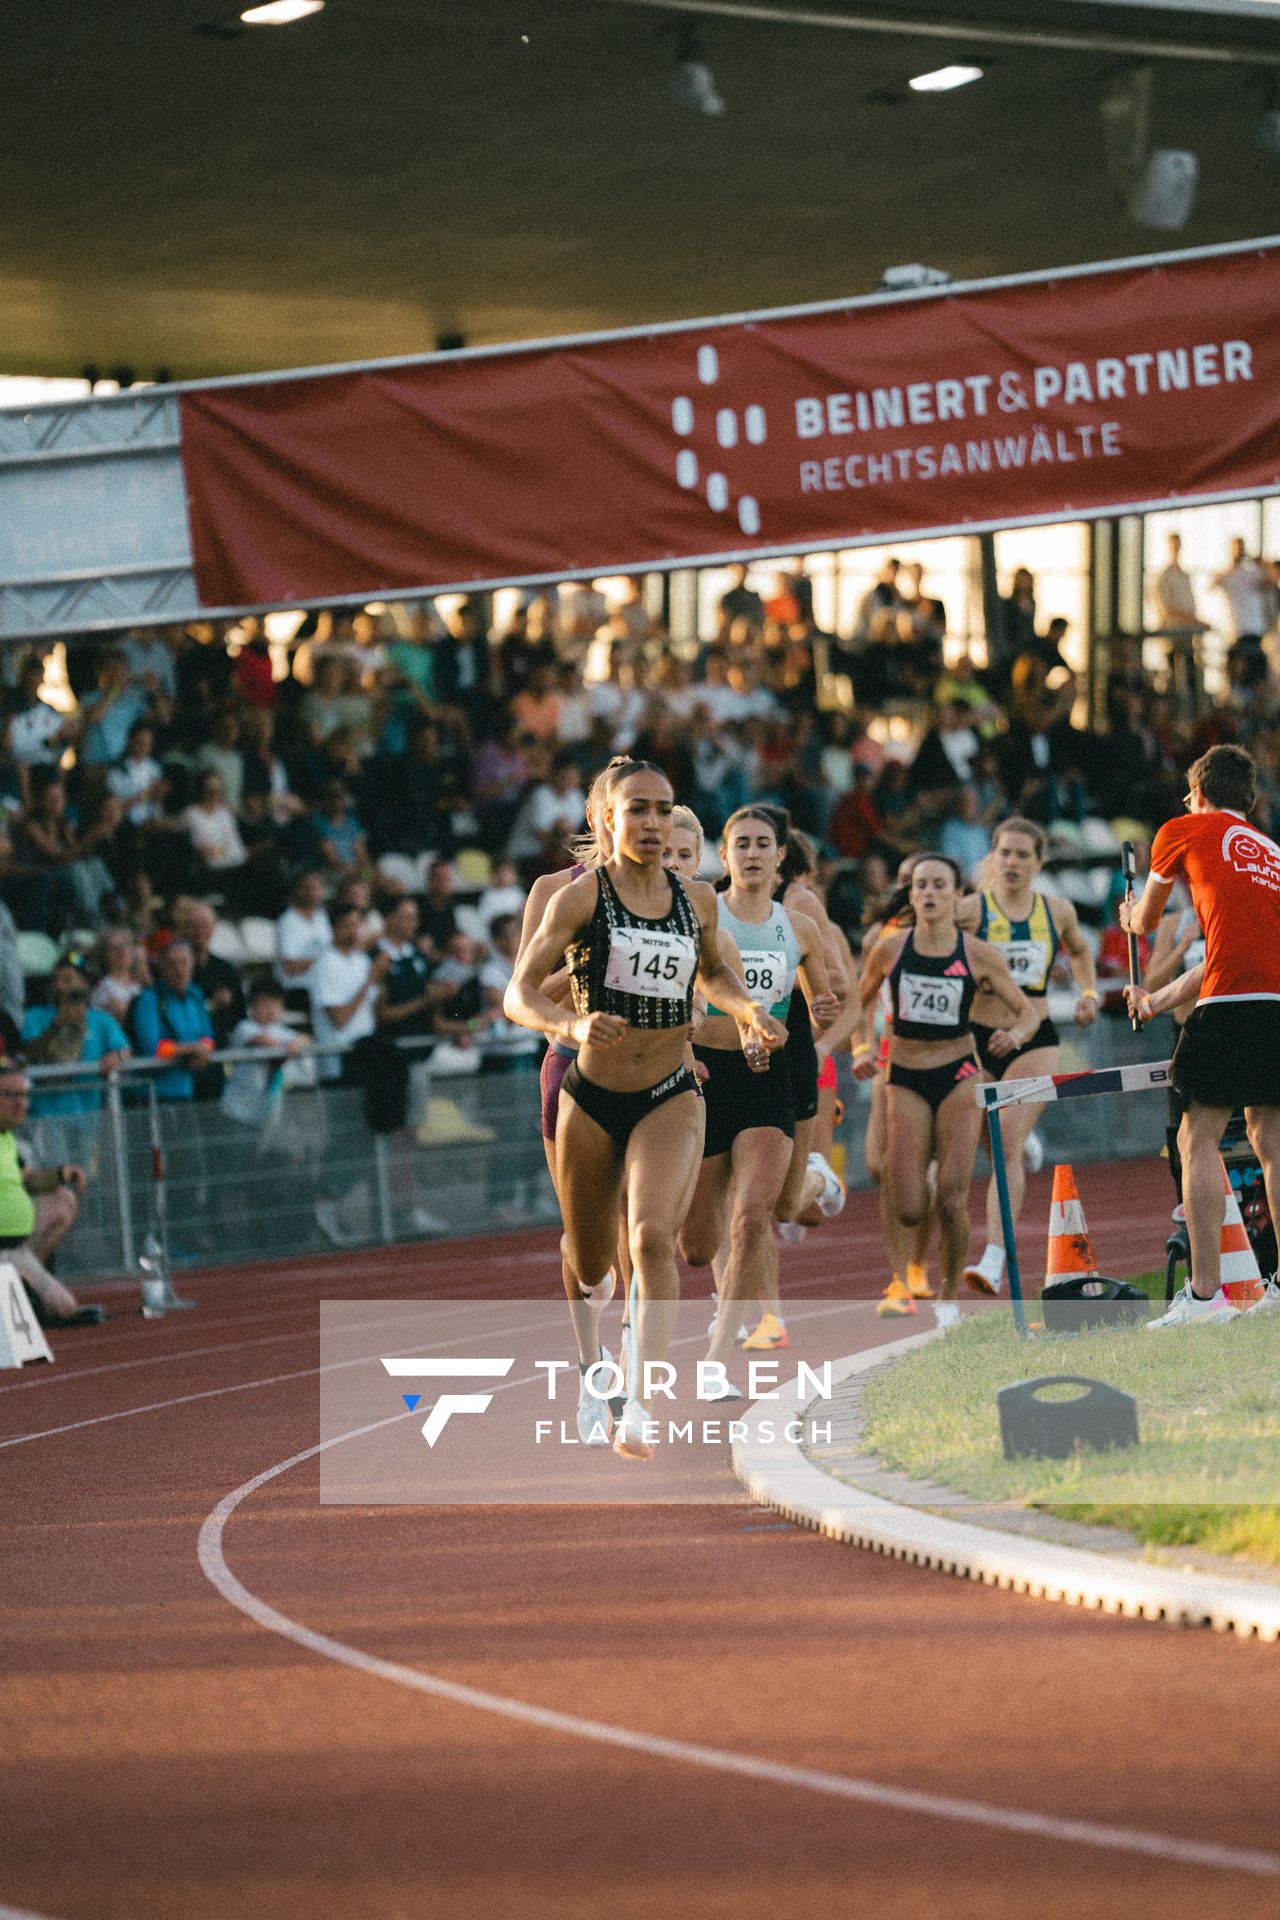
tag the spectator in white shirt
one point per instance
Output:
(303, 933)
(1174, 596)
(150, 664)
(124, 974)
(504, 894)
(212, 827)
(37, 732)
(552, 811)
(245, 1097)
(1243, 586)
(138, 780)
(344, 991)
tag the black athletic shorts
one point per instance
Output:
(1228, 1055)
(738, 1098)
(621, 1113)
(1045, 1035)
(800, 1058)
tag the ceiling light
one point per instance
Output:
(279, 13)
(943, 79)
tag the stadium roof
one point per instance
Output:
(186, 194)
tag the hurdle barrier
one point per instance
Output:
(1047, 1087)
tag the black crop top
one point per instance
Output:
(641, 970)
(932, 993)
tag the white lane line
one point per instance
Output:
(180, 1355)
(1041, 1826)
(247, 1386)
(21, 1913)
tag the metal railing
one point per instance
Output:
(307, 1174)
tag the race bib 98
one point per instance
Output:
(656, 965)
(928, 1000)
(765, 975)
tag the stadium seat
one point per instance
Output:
(473, 867)
(259, 938)
(228, 943)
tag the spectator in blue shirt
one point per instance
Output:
(108, 714)
(338, 834)
(71, 1030)
(171, 1019)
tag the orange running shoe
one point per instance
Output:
(918, 1282)
(895, 1301)
(768, 1337)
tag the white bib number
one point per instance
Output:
(765, 976)
(657, 966)
(929, 1001)
(1028, 962)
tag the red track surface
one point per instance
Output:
(164, 1755)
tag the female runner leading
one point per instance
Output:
(635, 936)
(1027, 927)
(934, 972)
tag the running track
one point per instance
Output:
(218, 1699)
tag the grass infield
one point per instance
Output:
(1207, 1467)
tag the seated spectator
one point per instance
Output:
(337, 834)
(345, 987)
(216, 978)
(69, 1031)
(107, 715)
(170, 1021)
(12, 984)
(303, 933)
(460, 1012)
(963, 837)
(536, 708)
(60, 879)
(38, 1208)
(150, 665)
(38, 733)
(549, 814)
(945, 757)
(857, 826)
(267, 803)
(246, 1097)
(215, 838)
(255, 680)
(123, 972)
(407, 997)
(221, 755)
(439, 911)
(138, 780)
(508, 1047)
(504, 894)
(335, 701)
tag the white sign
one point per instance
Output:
(21, 1335)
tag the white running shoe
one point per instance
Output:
(832, 1197)
(727, 1392)
(791, 1233)
(1271, 1298)
(594, 1417)
(1033, 1152)
(744, 1330)
(330, 1224)
(1187, 1308)
(987, 1274)
(629, 1435)
(946, 1315)
(1179, 1214)
(428, 1223)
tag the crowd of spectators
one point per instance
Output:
(381, 800)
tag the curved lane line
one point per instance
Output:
(1157, 1846)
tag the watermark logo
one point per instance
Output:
(410, 1368)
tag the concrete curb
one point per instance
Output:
(800, 1491)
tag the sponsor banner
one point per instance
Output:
(1044, 399)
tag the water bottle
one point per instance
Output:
(155, 1282)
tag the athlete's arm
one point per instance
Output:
(1169, 951)
(969, 912)
(878, 964)
(543, 890)
(808, 904)
(721, 984)
(991, 971)
(823, 1003)
(1147, 1005)
(568, 912)
(1077, 949)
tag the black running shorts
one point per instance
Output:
(1228, 1055)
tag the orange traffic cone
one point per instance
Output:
(1070, 1255)
(1241, 1276)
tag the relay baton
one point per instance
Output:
(1127, 863)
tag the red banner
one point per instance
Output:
(1054, 399)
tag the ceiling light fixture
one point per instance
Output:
(280, 13)
(943, 79)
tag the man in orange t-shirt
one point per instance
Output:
(1228, 1053)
